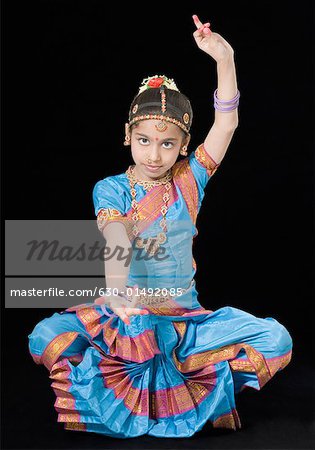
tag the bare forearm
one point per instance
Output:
(117, 265)
(221, 133)
(227, 89)
(116, 274)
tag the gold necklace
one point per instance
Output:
(148, 184)
(151, 244)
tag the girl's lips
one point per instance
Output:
(153, 168)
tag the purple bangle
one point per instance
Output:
(104, 309)
(219, 104)
(233, 100)
(231, 108)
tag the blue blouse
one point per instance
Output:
(175, 268)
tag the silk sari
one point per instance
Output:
(169, 372)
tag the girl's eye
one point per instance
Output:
(143, 141)
(168, 144)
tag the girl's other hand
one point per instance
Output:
(211, 43)
(123, 307)
(124, 312)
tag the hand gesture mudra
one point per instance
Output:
(123, 307)
(211, 43)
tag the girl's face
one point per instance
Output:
(151, 147)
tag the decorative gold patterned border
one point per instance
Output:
(171, 308)
(177, 400)
(184, 178)
(200, 360)
(74, 426)
(279, 362)
(180, 327)
(149, 207)
(139, 348)
(57, 346)
(160, 403)
(274, 364)
(229, 420)
(170, 401)
(205, 160)
(159, 117)
(108, 215)
(65, 401)
(90, 318)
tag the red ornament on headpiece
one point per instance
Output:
(156, 82)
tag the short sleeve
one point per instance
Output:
(106, 194)
(202, 166)
(108, 199)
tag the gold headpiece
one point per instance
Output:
(162, 82)
(157, 81)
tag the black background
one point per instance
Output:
(70, 71)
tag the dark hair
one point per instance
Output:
(149, 102)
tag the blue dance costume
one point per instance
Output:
(172, 370)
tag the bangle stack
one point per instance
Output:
(226, 105)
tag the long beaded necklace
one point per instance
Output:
(151, 244)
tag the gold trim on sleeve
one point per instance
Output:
(107, 215)
(205, 160)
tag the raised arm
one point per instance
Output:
(225, 123)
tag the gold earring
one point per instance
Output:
(183, 150)
(127, 140)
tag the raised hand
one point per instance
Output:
(211, 43)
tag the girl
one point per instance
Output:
(147, 358)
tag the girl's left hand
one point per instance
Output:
(211, 43)
(123, 306)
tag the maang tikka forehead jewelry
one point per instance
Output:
(162, 125)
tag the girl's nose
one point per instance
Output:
(154, 154)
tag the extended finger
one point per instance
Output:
(197, 21)
(100, 301)
(121, 313)
(125, 319)
(131, 311)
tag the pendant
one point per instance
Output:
(151, 244)
(161, 237)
